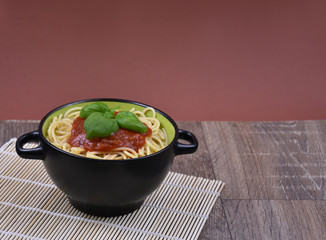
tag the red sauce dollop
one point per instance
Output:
(121, 138)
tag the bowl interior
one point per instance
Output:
(124, 106)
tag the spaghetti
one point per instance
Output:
(61, 127)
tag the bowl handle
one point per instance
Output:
(186, 148)
(32, 153)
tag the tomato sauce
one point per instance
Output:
(121, 138)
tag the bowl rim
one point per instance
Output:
(111, 100)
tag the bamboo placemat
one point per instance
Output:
(32, 207)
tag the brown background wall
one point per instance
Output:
(195, 60)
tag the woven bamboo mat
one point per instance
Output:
(31, 207)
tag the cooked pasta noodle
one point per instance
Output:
(59, 132)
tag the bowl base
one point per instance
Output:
(105, 211)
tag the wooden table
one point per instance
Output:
(275, 175)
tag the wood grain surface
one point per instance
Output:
(274, 172)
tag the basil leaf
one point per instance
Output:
(93, 107)
(109, 115)
(130, 121)
(97, 125)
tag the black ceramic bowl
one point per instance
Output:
(106, 187)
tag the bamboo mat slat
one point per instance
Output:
(32, 207)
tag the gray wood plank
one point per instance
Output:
(15, 128)
(199, 164)
(227, 164)
(269, 160)
(284, 159)
(276, 219)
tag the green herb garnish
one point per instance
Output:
(94, 107)
(98, 125)
(129, 121)
(101, 121)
